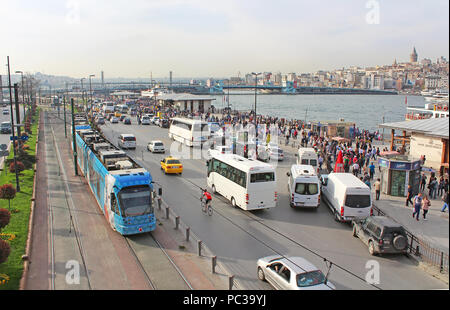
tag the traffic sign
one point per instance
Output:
(13, 138)
(24, 138)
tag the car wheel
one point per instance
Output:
(233, 202)
(355, 234)
(336, 217)
(371, 248)
(261, 275)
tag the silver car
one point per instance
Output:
(156, 146)
(292, 273)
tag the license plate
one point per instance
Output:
(300, 203)
(261, 206)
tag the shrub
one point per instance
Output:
(7, 191)
(4, 251)
(20, 167)
(4, 218)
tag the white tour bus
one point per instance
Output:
(108, 107)
(192, 132)
(248, 184)
(303, 186)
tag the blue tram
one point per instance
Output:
(122, 188)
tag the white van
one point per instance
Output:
(303, 187)
(127, 141)
(347, 197)
(308, 156)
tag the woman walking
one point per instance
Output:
(426, 206)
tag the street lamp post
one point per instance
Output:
(256, 124)
(90, 88)
(23, 93)
(82, 90)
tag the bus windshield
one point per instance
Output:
(135, 201)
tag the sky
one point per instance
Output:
(209, 38)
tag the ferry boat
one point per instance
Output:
(431, 110)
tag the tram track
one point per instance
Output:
(128, 240)
(73, 221)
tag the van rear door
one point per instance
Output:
(357, 203)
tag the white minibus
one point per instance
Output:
(347, 197)
(308, 156)
(192, 132)
(303, 187)
(248, 184)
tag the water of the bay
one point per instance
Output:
(367, 111)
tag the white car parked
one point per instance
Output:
(292, 273)
(156, 146)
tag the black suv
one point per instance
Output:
(381, 235)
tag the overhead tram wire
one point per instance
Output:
(285, 236)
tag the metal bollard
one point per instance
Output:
(441, 268)
(213, 263)
(187, 233)
(167, 212)
(230, 282)
(177, 222)
(199, 243)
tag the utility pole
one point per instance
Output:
(74, 143)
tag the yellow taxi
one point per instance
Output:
(171, 165)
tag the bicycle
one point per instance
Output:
(206, 207)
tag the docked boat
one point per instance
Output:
(431, 110)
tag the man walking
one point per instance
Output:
(423, 182)
(377, 186)
(417, 205)
(409, 196)
(371, 170)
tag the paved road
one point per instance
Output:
(239, 237)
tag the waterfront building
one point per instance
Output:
(429, 137)
(186, 102)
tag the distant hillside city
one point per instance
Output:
(405, 77)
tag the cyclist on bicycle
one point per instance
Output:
(206, 197)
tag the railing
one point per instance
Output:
(423, 250)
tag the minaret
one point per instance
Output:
(413, 56)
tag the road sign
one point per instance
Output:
(13, 138)
(24, 138)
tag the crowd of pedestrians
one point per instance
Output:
(359, 152)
